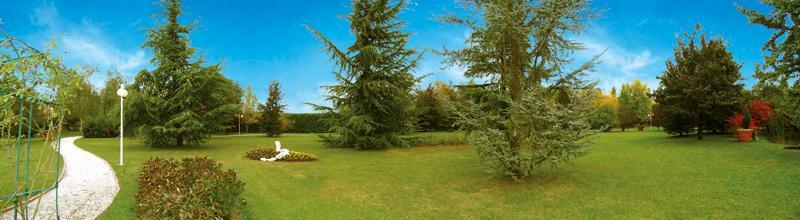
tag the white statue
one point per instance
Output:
(282, 152)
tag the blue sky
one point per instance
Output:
(260, 41)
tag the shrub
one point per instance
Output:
(737, 122)
(761, 111)
(193, 188)
(307, 123)
(780, 129)
(293, 156)
(100, 128)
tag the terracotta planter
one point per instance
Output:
(744, 135)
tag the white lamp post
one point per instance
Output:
(240, 124)
(122, 94)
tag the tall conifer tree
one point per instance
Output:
(273, 122)
(182, 100)
(372, 104)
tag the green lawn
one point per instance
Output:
(625, 175)
(42, 168)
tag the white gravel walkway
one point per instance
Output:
(87, 188)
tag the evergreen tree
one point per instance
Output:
(181, 101)
(520, 45)
(372, 104)
(700, 88)
(273, 121)
(635, 105)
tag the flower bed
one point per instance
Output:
(293, 156)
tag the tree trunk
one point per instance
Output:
(700, 132)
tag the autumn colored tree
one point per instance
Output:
(605, 115)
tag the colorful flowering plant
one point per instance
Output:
(761, 111)
(735, 121)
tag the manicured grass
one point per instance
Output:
(41, 167)
(625, 175)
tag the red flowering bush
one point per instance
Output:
(761, 111)
(736, 121)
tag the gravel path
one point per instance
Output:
(87, 188)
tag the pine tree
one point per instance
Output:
(700, 88)
(635, 105)
(372, 104)
(181, 101)
(273, 122)
(519, 45)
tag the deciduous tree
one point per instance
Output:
(701, 87)
(250, 112)
(605, 110)
(432, 109)
(784, 54)
(635, 105)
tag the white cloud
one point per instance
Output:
(86, 43)
(619, 65)
(85, 50)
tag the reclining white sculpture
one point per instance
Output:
(282, 152)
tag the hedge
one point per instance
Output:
(307, 123)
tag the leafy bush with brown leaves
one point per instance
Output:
(192, 188)
(293, 156)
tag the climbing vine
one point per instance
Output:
(34, 90)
